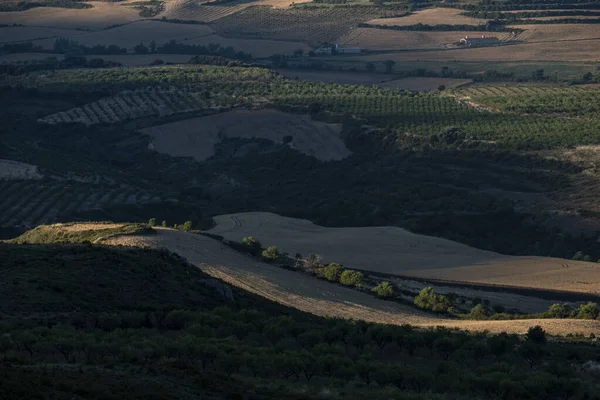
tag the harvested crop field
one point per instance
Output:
(17, 170)
(379, 39)
(197, 137)
(135, 33)
(26, 33)
(316, 296)
(101, 15)
(579, 33)
(396, 251)
(559, 51)
(425, 84)
(431, 16)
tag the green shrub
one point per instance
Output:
(536, 334)
(588, 311)
(271, 254)
(331, 272)
(351, 278)
(152, 222)
(384, 289)
(559, 311)
(164, 224)
(428, 300)
(252, 244)
(479, 312)
(187, 226)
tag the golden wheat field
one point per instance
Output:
(316, 296)
(197, 137)
(397, 251)
(431, 16)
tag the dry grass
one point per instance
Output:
(316, 296)
(82, 227)
(102, 14)
(196, 137)
(17, 170)
(396, 251)
(378, 39)
(431, 16)
(425, 84)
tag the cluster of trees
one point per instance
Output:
(187, 226)
(67, 46)
(174, 47)
(52, 63)
(325, 353)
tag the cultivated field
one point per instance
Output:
(32, 202)
(431, 16)
(26, 33)
(101, 15)
(581, 34)
(130, 105)
(396, 251)
(14, 170)
(135, 33)
(315, 296)
(197, 137)
(425, 84)
(312, 26)
(128, 60)
(379, 39)
(344, 78)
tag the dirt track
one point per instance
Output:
(396, 251)
(315, 296)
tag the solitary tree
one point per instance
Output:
(384, 289)
(271, 254)
(351, 278)
(252, 244)
(187, 226)
(152, 222)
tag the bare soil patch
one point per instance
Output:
(196, 137)
(396, 251)
(425, 84)
(316, 296)
(17, 170)
(431, 16)
(101, 15)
